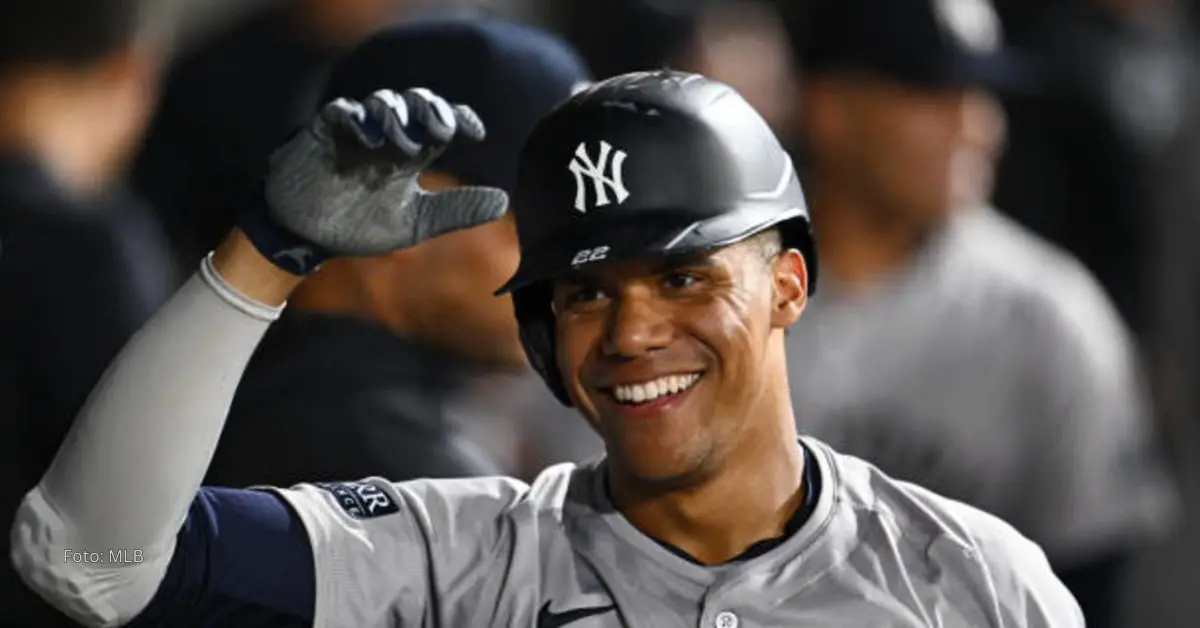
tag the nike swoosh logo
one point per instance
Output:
(546, 619)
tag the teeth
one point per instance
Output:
(649, 391)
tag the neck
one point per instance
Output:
(718, 518)
(858, 241)
(44, 116)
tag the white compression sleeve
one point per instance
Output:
(128, 469)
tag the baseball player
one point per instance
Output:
(950, 346)
(665, 250)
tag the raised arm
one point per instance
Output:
(97, 534)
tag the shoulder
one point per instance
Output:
(93, 246)
(921, 513)
(981, 556)
(377, 498)
(1026, 588)
(1014, 260)
(1050, 291)
(379, 545)
(917, 511)
(463, 502)
(33, 221)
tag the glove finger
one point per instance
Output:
(352, 117)
(395, 120)
(469, 124)
(458, 208)
(434, 114)
(335, 110)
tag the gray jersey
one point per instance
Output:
(495, 552)
(992, 370)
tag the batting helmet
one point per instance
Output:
(642, 165)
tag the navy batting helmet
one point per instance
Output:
(643, 165)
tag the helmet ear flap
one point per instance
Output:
(536, 321)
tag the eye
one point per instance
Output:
(679, 280)
(581, 295)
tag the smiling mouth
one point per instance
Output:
(659, 389)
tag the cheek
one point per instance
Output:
(129, 111)
(876, 150)
(930, 133)
(732, 328)
(908, 160)
(574, 340)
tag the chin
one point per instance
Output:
(654, 463)
(660, 441)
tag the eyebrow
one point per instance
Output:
(693, 260)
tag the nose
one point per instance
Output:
(636, 326)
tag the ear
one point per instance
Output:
(789, 276)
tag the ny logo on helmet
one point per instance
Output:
(607, 176)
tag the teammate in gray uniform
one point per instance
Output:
(950, 346)
(665, 251)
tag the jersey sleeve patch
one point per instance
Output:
(361, 500)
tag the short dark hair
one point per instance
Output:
(766, 245)
(67, 32)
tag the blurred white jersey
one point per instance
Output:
(992, 370)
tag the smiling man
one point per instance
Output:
(665, 251)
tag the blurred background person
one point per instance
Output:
(743, 44)
(1165, 594)
(75, 94)
(947, 344)
(392, 345)
(1102, 161)
(619, 36)
(233, 96)
(1085, 154)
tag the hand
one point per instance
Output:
(348, 182)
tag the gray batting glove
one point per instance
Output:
(348, 183)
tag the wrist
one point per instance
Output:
(280, 246)
(238, 261)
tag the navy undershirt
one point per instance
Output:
(242, 558)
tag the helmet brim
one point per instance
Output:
(656, 234)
